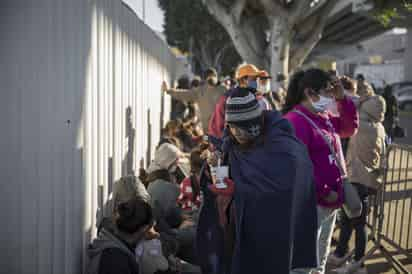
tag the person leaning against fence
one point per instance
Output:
(365, 153)
(309, 95)
(206, 96)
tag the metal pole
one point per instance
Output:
(144, 10)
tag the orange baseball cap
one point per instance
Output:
(247, 70)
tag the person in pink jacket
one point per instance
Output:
(310, 94)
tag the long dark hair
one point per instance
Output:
(315, 79)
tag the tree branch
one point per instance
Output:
(220, 54)
(306, 47)
(298, 8)
(217, 10)
(238, 8)
(238, 34)
(272, 8)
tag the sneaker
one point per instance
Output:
(335, 260)
(351, 268)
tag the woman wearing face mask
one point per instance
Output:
(310, 93)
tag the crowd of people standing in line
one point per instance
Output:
(289, 152)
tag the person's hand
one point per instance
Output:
(228, 191)
(332, 197)
(338, 90)
(212, 157)
(165, 86)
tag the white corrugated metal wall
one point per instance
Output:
(80, 105)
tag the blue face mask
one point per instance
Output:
(252, 84)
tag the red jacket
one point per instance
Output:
(217, 120)
(186, 196)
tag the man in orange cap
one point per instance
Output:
(247, 76)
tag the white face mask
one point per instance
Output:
(323, 103)
(265, 88)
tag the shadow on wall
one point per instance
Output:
(128, 161)
(149, 140)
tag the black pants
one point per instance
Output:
(357, 224)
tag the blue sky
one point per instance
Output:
(154, 15)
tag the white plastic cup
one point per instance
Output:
(220, 173)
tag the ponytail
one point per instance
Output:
(294, 94)
(314, 79)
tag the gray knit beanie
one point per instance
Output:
(244, 111)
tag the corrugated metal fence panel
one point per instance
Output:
(80, 106)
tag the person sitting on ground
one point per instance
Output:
(364, 163)
(206, 96)
(164, 193)
(113, 251)
(246, 75)
(190, 196)
(309, 95)
(162, 186)
(263, 156)
(170, 134)
(127, 188)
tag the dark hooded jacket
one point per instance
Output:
(108, 254)
(275, 206)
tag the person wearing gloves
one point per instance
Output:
(364, 161)
(247, 77)
(263, 156)
(310, 93)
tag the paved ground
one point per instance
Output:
(398, 209)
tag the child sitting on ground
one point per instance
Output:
(190, 197)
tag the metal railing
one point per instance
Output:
(390, 218)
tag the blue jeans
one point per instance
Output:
(326, 225)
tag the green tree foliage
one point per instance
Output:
(190, 28)
(387, 11)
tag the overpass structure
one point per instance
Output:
(349, 26)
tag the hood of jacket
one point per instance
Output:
(373, 109)
(105, 240)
